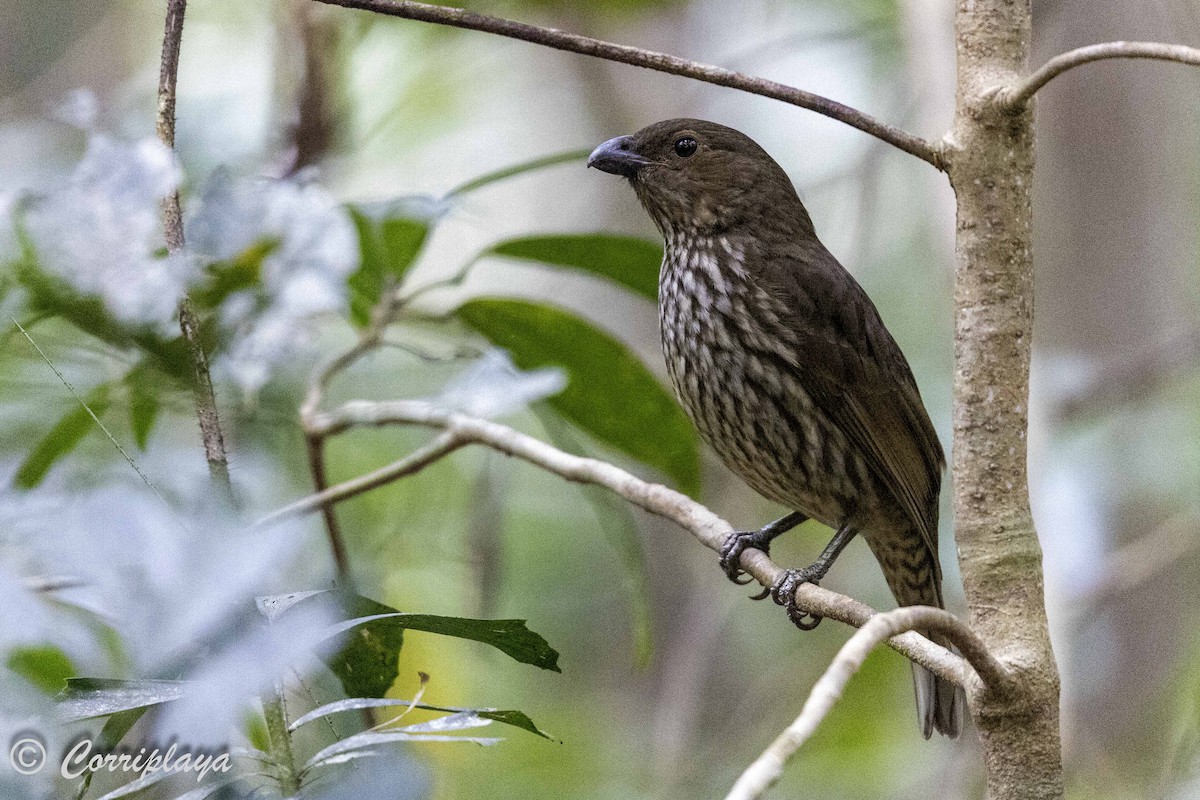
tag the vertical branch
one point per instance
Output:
(206, 402)
(315, 444)
(992, 175)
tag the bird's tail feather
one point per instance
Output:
(940, 704)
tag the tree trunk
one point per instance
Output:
(991, 162)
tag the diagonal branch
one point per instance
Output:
(662, 501)
(325, 499)
(767, 768)
(205, 398)
(660, 62)
(1014, 97)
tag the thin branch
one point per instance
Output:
(768, 767)
(315, 448)
(662, 501)
(1137, 562)
(440, 447)
(1013, 97)
(1133, 379)
(660, 62)
(206, 401)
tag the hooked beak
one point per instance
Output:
(616, 156)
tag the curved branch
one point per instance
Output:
(662, 501)
(660, 62)
(1013, 97)
(767, 768)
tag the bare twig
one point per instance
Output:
(206, 401)
(1132, 379)
(1137, 562)
(661, 62)
(1016, 96)
(315, 448)
(660, 500)
(368, 341)
(442, 446)
(767, 768)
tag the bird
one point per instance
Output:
(786, 368)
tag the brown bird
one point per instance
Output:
(786, 368)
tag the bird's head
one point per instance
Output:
(694, 176)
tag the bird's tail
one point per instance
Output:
(940, 703)
(912, 577)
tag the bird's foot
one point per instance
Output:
(735, 544)
(783, 592)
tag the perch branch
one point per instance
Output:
(767, 768)
(660, 500)
(205, 398)
(1016, 96)
(660, 62)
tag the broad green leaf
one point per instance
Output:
(388, 246)
(66, 434)
(45, 666)
(513, 171)
(369, 661)
(87, 698)
(619, 528)
(144, 403)
(509, 636)
(610, 393)
(368, 658)
(629, 261)
(512, 717)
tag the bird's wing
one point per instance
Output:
(857, 375)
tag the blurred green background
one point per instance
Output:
(670, 686)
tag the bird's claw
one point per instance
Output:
(731, 553)
(783, 592)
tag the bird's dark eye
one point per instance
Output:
(685, 146)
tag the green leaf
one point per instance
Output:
(114, 730)
(631, 262)
(509, 636)
(618, 526)
(388, 246)
(66, 434)
(45, 666)
(367, 658)
(224, 278)
(144, 403)
(610, 393)
(505, 173)
(52, 296)
(368, 662)
(88, 698)
(367, 741)
(517, 719)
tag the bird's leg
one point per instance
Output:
(738, 541)
(783, 591)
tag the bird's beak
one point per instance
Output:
(618, 157)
